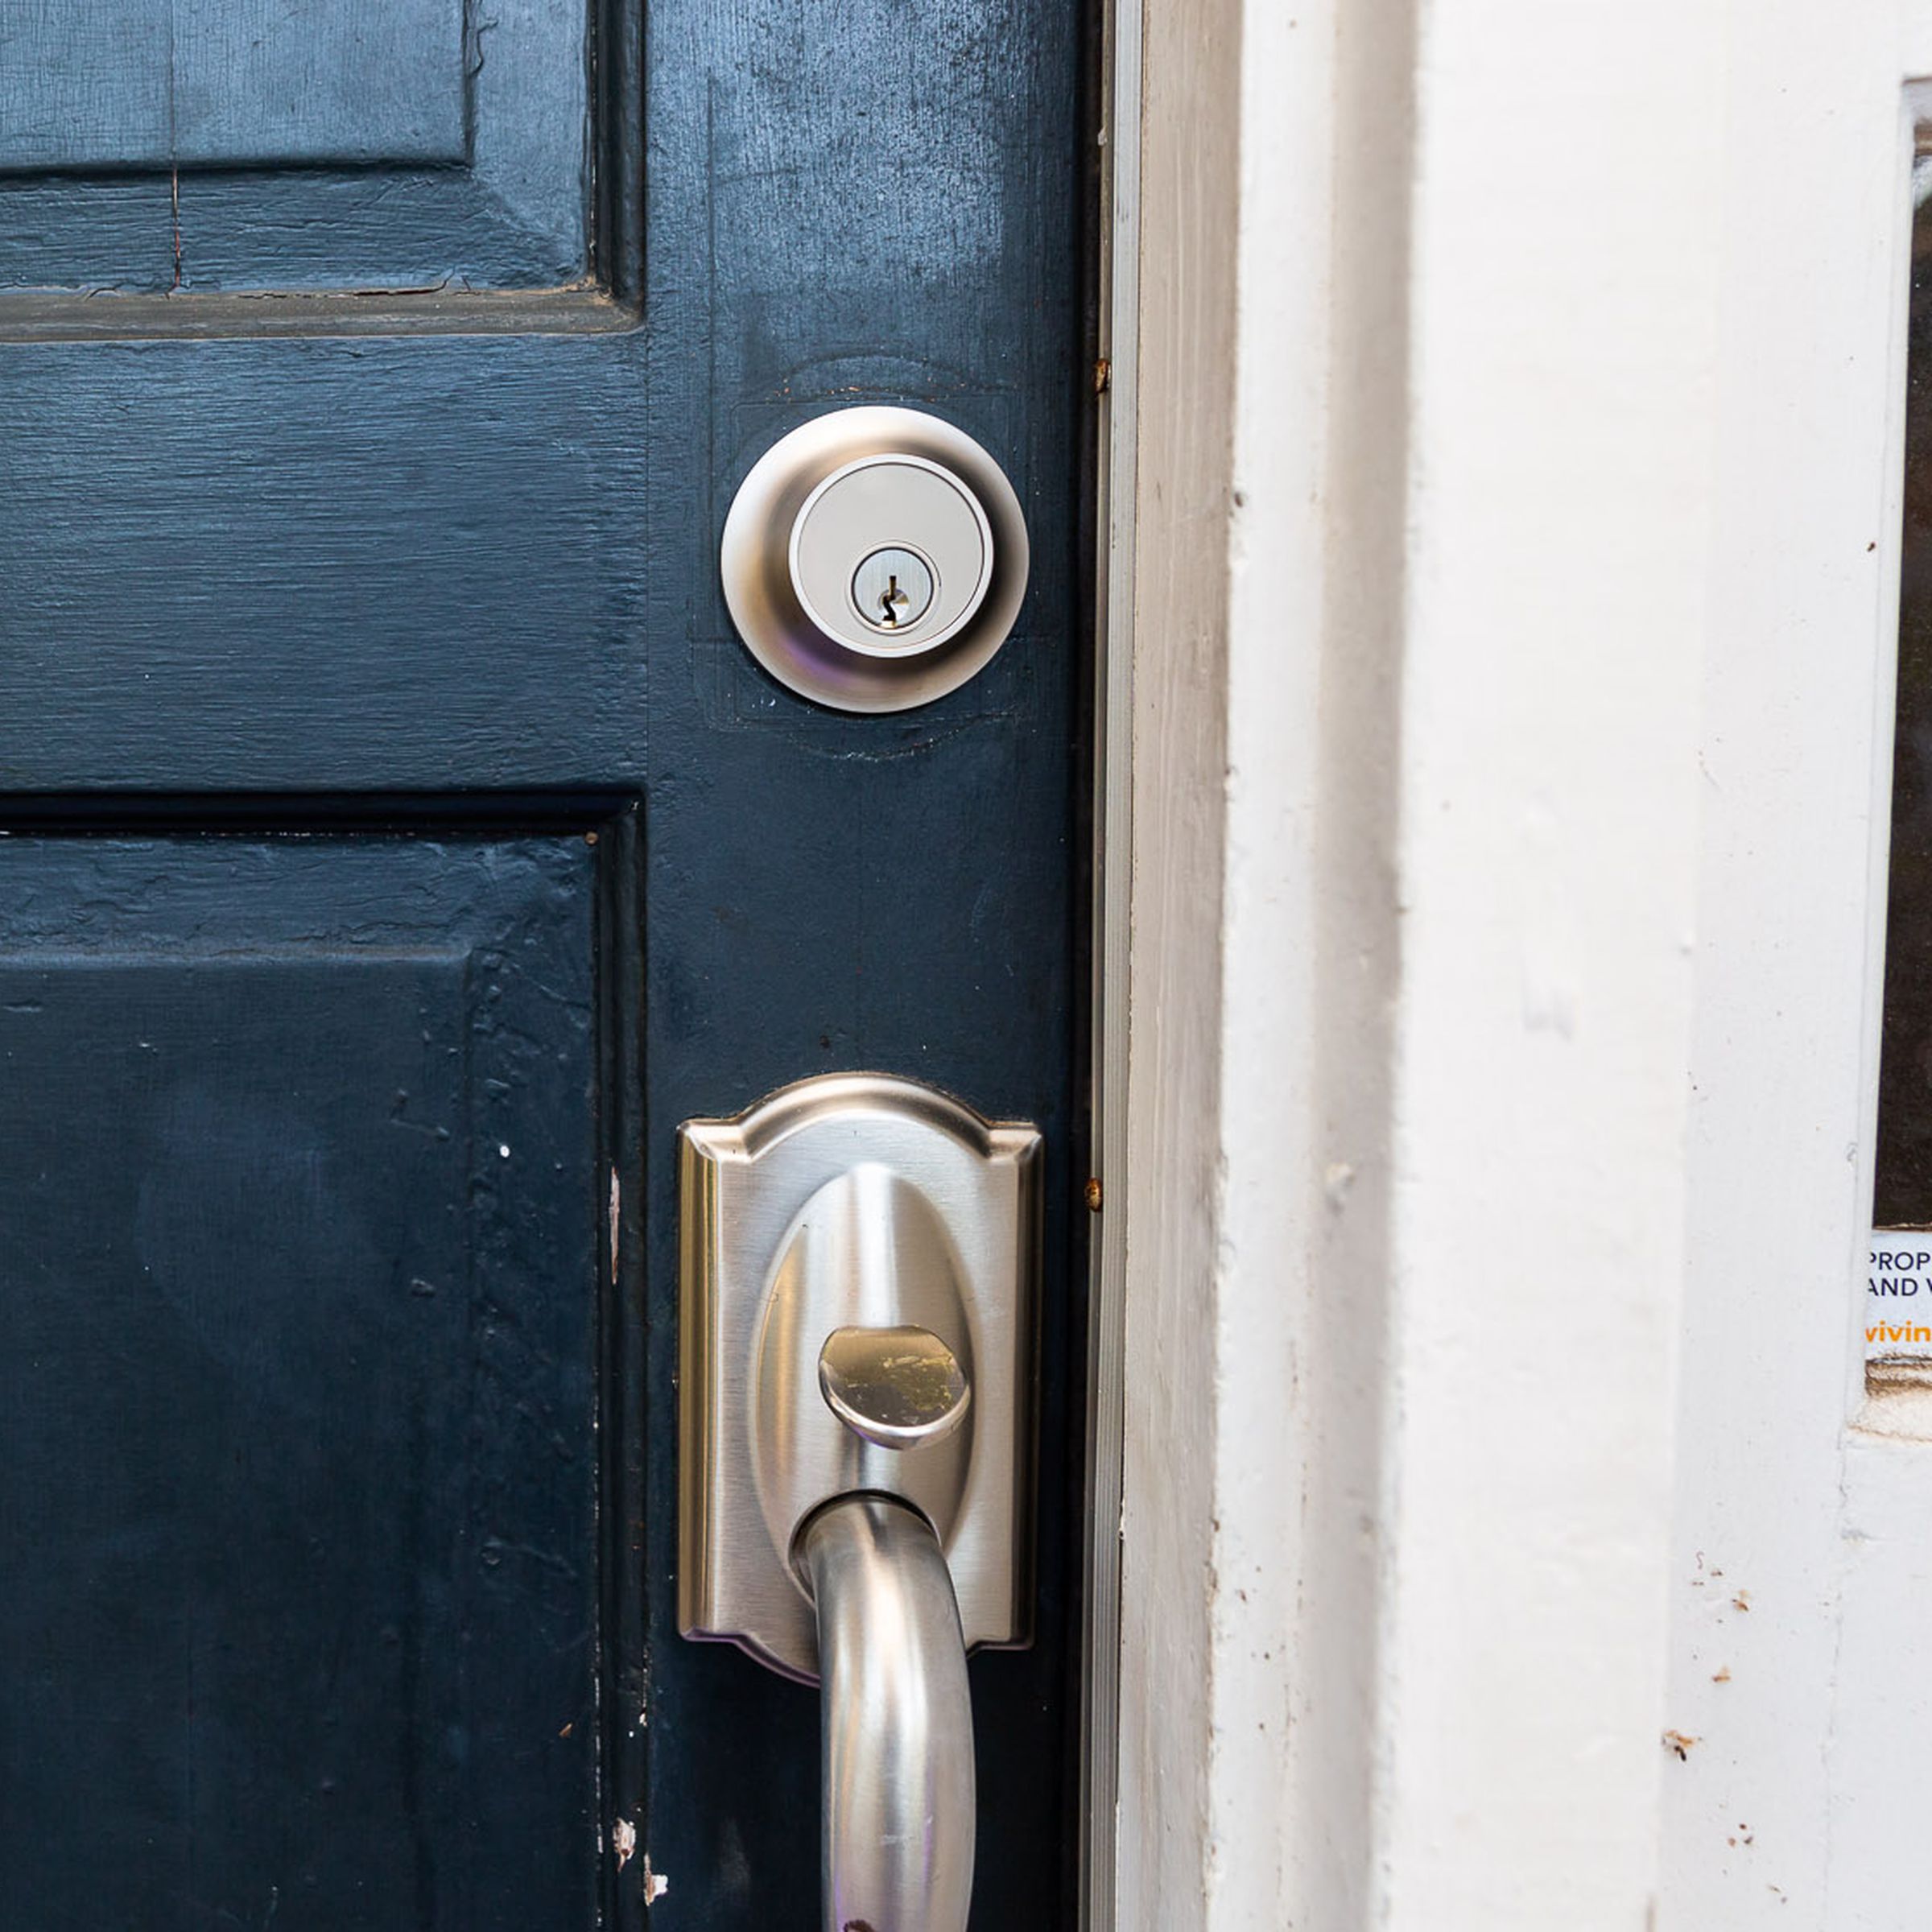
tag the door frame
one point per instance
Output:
(1382, 392)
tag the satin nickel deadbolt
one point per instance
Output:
(874, 559)
(858, 1256)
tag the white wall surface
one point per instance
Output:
(1803, 1647)
(1507, 1541)
(1563, 333)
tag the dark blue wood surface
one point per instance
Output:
(125, 84)
(299, 577)
(298, 1341)
(191, 146)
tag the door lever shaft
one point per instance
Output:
(896, 1721)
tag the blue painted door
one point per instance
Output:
(397, 845)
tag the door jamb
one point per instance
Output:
(1116, 378)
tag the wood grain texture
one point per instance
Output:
(321, 564)
(296, 1383)
(223, 82)
(84, 84)
(583, 310)
(881, 207)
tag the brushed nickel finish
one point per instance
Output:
(909, 496)
(896, 1840)
(834, 493)
(854, 1202)
(868, 1251)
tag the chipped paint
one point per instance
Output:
(656, 1884)
(623, 1842)
(616, 1216)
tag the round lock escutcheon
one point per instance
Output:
(874, 559)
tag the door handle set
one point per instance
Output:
(858, 1256)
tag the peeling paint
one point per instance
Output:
(617, 1215)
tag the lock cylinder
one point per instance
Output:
(897, 597)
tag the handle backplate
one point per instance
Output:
(859, 1255)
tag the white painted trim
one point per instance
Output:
(1800, 1656)
(1423, 477)
(1269, 594)
(1514, 570)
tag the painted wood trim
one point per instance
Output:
(1269, 598)
(1184, 370)
(1117, 379)
(1397, 411)
(1802, 1550)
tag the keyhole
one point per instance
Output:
(892, 588)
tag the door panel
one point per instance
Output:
(297, 1364)
(131, 85)
(175, 146)
(437, 574)
(324, 563)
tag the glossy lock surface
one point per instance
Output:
(901, 1388)
(829, 496)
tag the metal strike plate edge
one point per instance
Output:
(760, 1450)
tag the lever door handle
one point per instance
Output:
(895, 1721)
(859, 1263)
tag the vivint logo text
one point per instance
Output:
(1899, 1273)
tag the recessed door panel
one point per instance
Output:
(170, 146)
(300, 563)
(228, 82)
(299, 1324)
